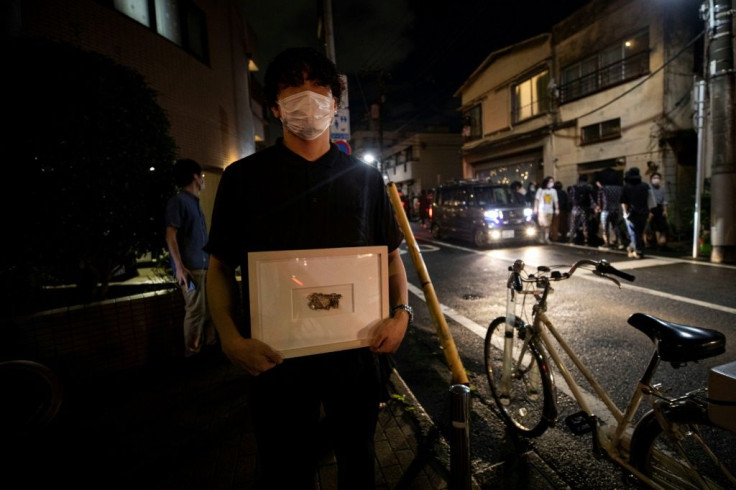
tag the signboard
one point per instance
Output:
(344, 146)
(340, 129)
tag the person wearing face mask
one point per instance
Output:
(186, 235)
(308, 195)
(546, 206)
(658, 220)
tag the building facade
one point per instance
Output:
(609, 88)
(423, 161)
(195, 54)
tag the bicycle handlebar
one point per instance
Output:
(605, 268)
(602, 268)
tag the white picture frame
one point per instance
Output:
(305, 302)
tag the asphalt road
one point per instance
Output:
(590, 313)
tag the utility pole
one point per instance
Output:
(719, 19)
(381, 102)
(329, 33)
(699, 120)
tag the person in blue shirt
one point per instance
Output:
(186, 236)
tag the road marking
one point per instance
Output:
(594, 402)
(597, 406)
(622, 265)
(423, 247)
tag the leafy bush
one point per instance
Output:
(89, 157)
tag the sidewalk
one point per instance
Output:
(188, 427)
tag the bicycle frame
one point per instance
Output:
(623, 419)
(616, 439)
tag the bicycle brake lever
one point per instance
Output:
(601, 274)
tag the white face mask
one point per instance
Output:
(307, 114)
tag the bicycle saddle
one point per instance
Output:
(679, 343)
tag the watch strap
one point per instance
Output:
(407, 309)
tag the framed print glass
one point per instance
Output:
(306, 302)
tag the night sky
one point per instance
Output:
(425, 49)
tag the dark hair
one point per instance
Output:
(516, 185)
(184, 171)
(655, 173)
(293, 66)
(547, 180)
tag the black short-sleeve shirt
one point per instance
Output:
(276, 200)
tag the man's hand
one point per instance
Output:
(252, 355)
(182, 275)
(389, 333)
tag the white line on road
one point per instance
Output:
(624, 265)
(594, 402)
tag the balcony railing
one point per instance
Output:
(632, 67)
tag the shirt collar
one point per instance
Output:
(329, 159)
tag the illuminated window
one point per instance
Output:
(179, 21)
(168, 20)
(135, 9)
(531, 97)
(472, 127)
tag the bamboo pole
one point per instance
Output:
(459, 376)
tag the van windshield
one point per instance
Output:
(488, 196)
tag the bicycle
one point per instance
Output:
(32, 397)
(675, 444)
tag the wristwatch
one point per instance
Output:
(407, 309)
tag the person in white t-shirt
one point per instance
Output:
(546, 206)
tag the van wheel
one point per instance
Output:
(479, 238)
(436, 234)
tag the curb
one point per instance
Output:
(431, 443)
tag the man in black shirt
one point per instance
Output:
(581, 198)
(636, 200)
(304, 193)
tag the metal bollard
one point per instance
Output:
(460, 438)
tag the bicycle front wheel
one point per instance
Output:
(696, 455)
(519, 377)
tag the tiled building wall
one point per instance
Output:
(100, 338)
(207, 102)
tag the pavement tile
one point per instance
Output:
(187, 426)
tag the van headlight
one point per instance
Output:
(493, 215)
(531, 231)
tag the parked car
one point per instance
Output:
(481, 212)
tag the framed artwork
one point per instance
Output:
(306, 302)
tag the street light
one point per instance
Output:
(370, 159)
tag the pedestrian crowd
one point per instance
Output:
(601, 210)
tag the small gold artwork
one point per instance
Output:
(321, 301)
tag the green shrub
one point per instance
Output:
(89, 157)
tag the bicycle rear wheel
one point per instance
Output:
(698, 455)
(519, 377)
